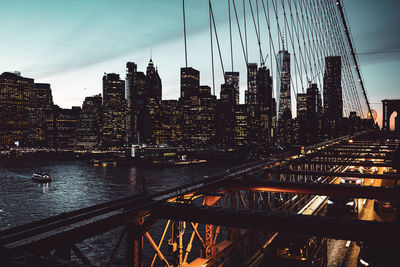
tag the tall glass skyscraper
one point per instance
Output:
(283, 84)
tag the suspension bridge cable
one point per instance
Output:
(184, 31)
(245, 29)
(230, 31)
(258, 36)
(240, 32)
(212, 51)
(216, 37)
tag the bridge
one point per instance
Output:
(233, 216)
(240, 216)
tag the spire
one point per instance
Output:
(283, 43)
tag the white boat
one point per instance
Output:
(41, 177)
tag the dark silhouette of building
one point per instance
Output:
(251, 92)
(198, 110)
(283, 84)
(61, 127)
(136, 97)
(15, 97)
(241, 126)
(309, 116)
(230, 89)
(41, 106)
(301, 120)
(190, 81)
(266, 106)
(153, 85)
(167, 124)
(88, 131)
(333, 102)
(114, 112)
(226, 105)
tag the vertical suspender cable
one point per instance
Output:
(245, 30)
(240, 32)
(216, 37)
(230, 30)
(184, 30)
(212, 51)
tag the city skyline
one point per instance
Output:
(76, 70)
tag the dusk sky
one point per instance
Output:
(70, 44)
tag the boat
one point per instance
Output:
(41, 177)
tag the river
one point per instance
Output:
(78, 184)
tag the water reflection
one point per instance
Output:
(44, 186)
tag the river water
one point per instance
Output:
(78, 184)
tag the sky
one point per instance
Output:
(71, 44)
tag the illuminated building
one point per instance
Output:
(61, 126)
(166, 125)
(198, 110)
(309, 115)
(301, 121)
(135, 94)
(241, 127)
(153, 85)
(15, 95)
(41, 105)
(114, 112)
(265, 107)
(284, 109)
(333, 102)
(190, 81)
(89, 124)
(314, 115)
(230, 89)
(283, 84)
(251, 92)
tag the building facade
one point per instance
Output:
(15, 98)
(114, 112)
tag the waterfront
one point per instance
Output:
(78, 184)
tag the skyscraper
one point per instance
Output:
(333, 102)
(283, 84)
(265, 110)
(135, 97)
(15, 96)
(41, 105)
(114, 112)
(89, 123)
(284, 109)
(198, 110)
(251, 92)
(190, 81)
(230, 89)
(153, 82)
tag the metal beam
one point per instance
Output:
(342, 163)
(338, 228)
(333, 174)
(369, 192)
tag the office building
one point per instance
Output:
(88, 132)
(15, 97)
(114, 112)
